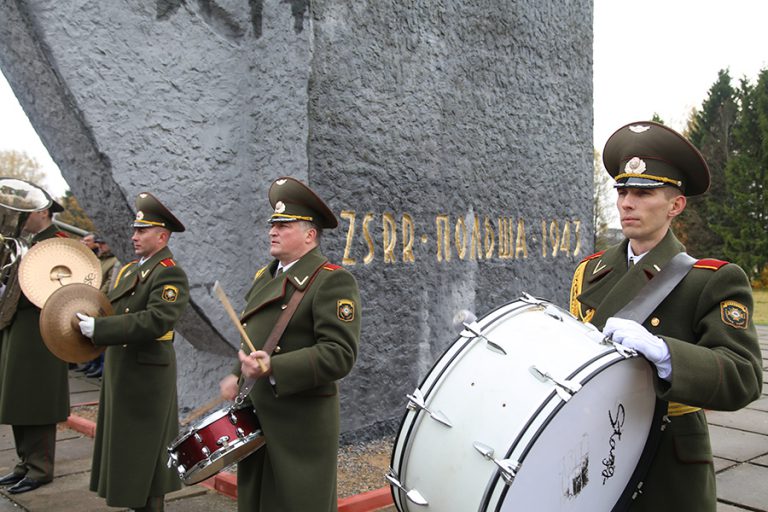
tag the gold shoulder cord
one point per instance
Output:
(576, 286)
(122, 271)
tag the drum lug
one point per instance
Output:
(469, 321)
(416, 401)
(173, 459)
(626, 353)
(198, 438)
(508, 468)
(232, 418)
(240, 432)
(222, 441)
(564, 388)
(530, 299)
(181, 470)
(413, 495)
(206, 451)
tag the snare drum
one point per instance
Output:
(529, 409)
(222, 438)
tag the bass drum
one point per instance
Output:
(529, 409)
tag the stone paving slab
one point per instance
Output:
(79, 384)
(760, 404)
(69, 493)
(721, 464)
(744, 485)
(73, 456)
(84, 397)
(737, 445)
(205, 502)
(750, 420)
(721, 507)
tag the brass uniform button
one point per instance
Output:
(655, 321)
(127, 310)
(277, 349)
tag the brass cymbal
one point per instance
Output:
(58, 322)
(54, 263)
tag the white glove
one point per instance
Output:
(633, 335)
(86, 324)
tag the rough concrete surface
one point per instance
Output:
(453, 140)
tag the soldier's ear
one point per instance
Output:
(678, 205)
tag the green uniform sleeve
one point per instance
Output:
(723, 370)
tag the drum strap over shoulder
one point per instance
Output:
(657, 289)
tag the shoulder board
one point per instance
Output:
(168, 262)
(61, 234)
(331, 266)
(710, 264)
(593, 256)
(259, 272)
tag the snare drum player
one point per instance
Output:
(700, 339)
(295, 394)
(138, 414)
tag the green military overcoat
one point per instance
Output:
(34, 386)
(138, 412)
(299, 414)
(706, 322)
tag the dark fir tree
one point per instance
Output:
(710, 130)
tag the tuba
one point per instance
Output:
(17, 199)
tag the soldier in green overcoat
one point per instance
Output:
(138, 412)
(34, 386)
(296, 394)
(701, 338)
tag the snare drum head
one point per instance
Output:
(578, 454)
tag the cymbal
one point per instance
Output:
(58, 322)
(54, 263)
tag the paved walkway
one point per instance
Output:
(739, 441)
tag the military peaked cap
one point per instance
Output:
(151, 212)
(646, 154)
(292, 200)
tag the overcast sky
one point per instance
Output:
(650, 56)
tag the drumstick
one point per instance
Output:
(201, 410)
(219, 291)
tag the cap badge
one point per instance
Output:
(639, 128)
(280, 182)
(279, 207)
(139, 215)
(635, 166)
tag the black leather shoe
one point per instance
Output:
(24, 485)
(11, 478)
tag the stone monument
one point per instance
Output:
(453, 139)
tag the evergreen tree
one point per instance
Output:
(744, 223)
(710, 130)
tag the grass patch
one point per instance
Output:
(761, 306)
